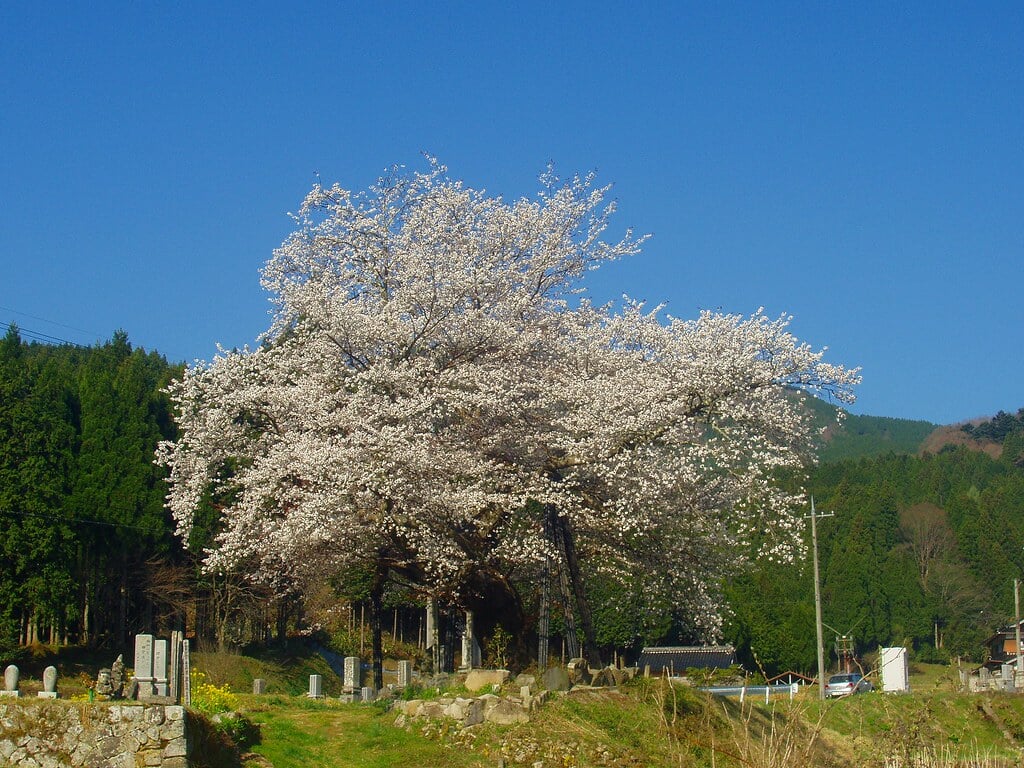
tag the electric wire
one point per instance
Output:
(84, 520)
(40, 336)
(46, 320)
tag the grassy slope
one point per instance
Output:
(646, 725)
(286, 670)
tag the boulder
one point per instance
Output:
(478, 679)
(523, 680)
(579, 671)
(556, 679)
(506, 713)
(474, 714)
(609, 676)
(409, 708)
(432, 710)
(465, 711)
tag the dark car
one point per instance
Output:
(846, 684)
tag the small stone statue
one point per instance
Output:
(117, 678)
(103, 686)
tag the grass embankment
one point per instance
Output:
(285, 669)
(649, 724)
(645, 724)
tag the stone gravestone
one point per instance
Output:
(471, 658)
(316, 687)
(404, 674)
(259, 686)
(160, 665)
(11, 676)
(1007, 673)
(186, 674)
(368, 694)
(49, 684)
(175, 679)
(353, 680)
(144, 665)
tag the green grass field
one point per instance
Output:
(647, 723)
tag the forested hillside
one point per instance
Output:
(82, 524)
(922, 551)
(855, 436)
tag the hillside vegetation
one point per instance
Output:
(857, 436)
(921, 551)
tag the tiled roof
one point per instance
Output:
(677, 659)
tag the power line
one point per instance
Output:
(83, 520)
(45, 320)
(39, 336)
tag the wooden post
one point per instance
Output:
(817, 603)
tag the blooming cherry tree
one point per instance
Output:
(433, 398)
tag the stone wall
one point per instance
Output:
(49, 733)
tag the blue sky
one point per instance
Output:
(858, 166)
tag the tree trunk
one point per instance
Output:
(85, 638)
(544, 617)
(433, 635)
(376, 595)
(568, 547)
(122, 629)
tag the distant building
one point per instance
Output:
(790, 677)
(1002, 647)
(675, 660)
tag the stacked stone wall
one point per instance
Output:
(52, 733)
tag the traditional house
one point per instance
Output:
(675, 660)
(1002, 647)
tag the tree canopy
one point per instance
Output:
(433, 397)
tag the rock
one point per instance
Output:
(506, 713)
(538, 699)
(579, 671)
(474, 713)
(478, 679)
(524, 680)
(609, 677)
(409, 708)
(432, 710)
(556, 679)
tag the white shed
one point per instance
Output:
(894, 669)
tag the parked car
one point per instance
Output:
(846, 684)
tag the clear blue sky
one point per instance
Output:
(859, 166)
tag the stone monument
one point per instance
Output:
(11, 676)
(353, 679)
(316, 687)
(144, 666)
(104, 689)
(404, 674)
(160, 666)
(49, 683)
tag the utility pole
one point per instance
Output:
(1016, 628)
(817, 601)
